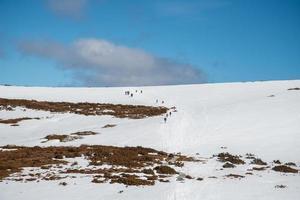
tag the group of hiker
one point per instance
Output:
(131, 93)
(168, 114)
(162, 102)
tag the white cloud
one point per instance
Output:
(69, 8)
(100, 62)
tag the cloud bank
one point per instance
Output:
(96, 62)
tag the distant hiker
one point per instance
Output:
(156, 100)
(162, 102)
(165, 119)
(135, 91)
(170, 113)
(167, 115)
(141, 91)
(131, 95)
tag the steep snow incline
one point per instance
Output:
(243, 117)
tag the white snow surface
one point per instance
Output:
(239, 116)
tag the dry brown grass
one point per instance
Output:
(14, 122)
(259, 168)
(258, 161)
(116, 110)
(84, 133)
(234, 176)
(228, 165)
(125, 162)
(109, 125)
(70, 137)
(227, 157)
(61, 138)
(296, 88)
(165, 170)
(285, 169)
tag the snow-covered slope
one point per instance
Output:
(262, 118)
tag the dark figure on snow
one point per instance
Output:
(141, 91)
(162, 102)
(131, 95)
(165, 119)
(156, 100)
(170, 113)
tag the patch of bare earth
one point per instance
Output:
(126, 165)
(116, 110)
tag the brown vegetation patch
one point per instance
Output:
(296, 88)
(131, 180)
(165, 170)
(68, 138)
(227, 157)
(259, 168)
(14, 161)
(212, 177)
(61, 138)
(250, 156)
(148, 171)
(228, 165)
(84, 133)
(285, 169)
(109, 125)
(280, 186)
(258, 161)
(163, 180)
(234, 176)
(14, 122)
(125, 162)
(277, 162)
(116, 110)
(189, 177)
(291, 164)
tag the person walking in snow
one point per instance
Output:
(165, 119)
(131, 95)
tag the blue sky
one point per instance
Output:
(151, 42)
